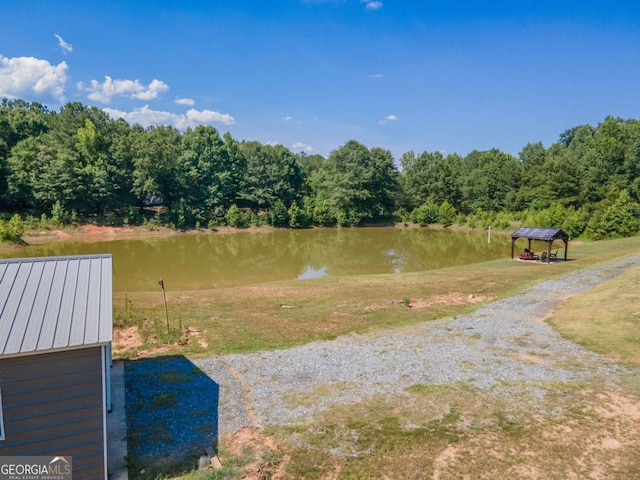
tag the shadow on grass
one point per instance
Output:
(172, 415)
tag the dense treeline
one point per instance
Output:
(78, 163)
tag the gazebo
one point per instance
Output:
(548, 235)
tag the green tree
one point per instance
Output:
(310, 163)
(205, 175)
(238, 218)
(19, 120)
(621, 219)
(446, 214)
(22, 168)
(429, 177)
(298, 217)
(355, 181)
(491, 181)
(120, 166)
(533, 192)
(426, 214)
(155, 164)
(58, 176)
(272, 174)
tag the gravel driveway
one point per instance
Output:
(493, 344)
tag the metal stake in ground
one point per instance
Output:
(166, 312)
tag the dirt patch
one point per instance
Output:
(94, 233)
(618, 405)
(279, 292)
(128, 342)
(455, 298)
(126, 339)
(267, 464)
(447, 456)
(529, 357)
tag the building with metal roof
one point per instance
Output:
(548, 235)
(55, 353)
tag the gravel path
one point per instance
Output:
(504, 340)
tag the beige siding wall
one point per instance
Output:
(52, 405)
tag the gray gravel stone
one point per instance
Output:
(491, 346)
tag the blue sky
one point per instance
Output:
(452, 76)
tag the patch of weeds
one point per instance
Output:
(311, 463)
(203, 412)
(173, 376)
(444, 429)
(205, 428)
(311, 396)
(522, 342)
(268, 463)
(422, 388)
(507, 424)
(134, 438)
(468, 363)
(169, 468)
(224, 473)
(539, 353)
(165, 400)
(247, 456)
(452, 416)
(233, 466)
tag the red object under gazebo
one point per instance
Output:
(548, 235)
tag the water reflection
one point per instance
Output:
(310, 272)
(202, 261)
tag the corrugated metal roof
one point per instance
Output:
(536, 233)
(55, 303)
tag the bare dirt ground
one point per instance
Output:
(127, 342)
(94, 233)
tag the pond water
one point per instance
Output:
(203, 261)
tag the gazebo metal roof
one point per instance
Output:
(535, 233)
(545, 234)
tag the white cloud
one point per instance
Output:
(23, 76)
(152, 91)
(185, 101)
(287, 118)
(146, 116)
(272, 143)
(388, 118)
(376, 75)
(66, 47)
(302, 146)
(372, 5)
(195, 117)
(104, 92)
